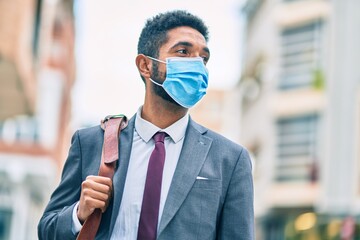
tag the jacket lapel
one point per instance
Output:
(192, 157)
(126, 139)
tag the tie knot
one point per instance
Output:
(159, 137)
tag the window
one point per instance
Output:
(300, 55)
(21, 128)
(5, 219)
(296, 148)
(37, 23)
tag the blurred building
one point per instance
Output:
(300, 116)
(216, 112)
(37, 70)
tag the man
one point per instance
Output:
(206, 189)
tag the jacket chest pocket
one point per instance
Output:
(207, 184)
(201, 207)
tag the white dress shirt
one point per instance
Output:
(127, 221)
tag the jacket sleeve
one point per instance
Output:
(56, 222)
(237, 217)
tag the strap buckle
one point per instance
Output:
(108, 117)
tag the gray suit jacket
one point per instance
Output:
(220, 207)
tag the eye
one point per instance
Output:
(182, 51)
(205, 58)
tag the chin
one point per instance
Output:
(159, 91)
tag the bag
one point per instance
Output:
(112, 126)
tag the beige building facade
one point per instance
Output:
(37, 71)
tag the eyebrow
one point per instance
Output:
(206, 49)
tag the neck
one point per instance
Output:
(162, 113)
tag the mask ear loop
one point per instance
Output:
(155, 82)
(156, 59)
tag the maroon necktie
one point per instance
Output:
(151, 199)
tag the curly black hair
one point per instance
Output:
(154, 33)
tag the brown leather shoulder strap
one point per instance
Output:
(112, 126)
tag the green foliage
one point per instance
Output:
(318, 79)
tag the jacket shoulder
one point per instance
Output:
(217, 138)
(90, 132)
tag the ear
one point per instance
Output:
(144, 65)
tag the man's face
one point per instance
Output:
(181, 42)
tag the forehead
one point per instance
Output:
(184, 34)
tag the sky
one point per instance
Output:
(106, 42)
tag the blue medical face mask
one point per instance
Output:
(186, 79)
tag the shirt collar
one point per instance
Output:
(146, 129)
